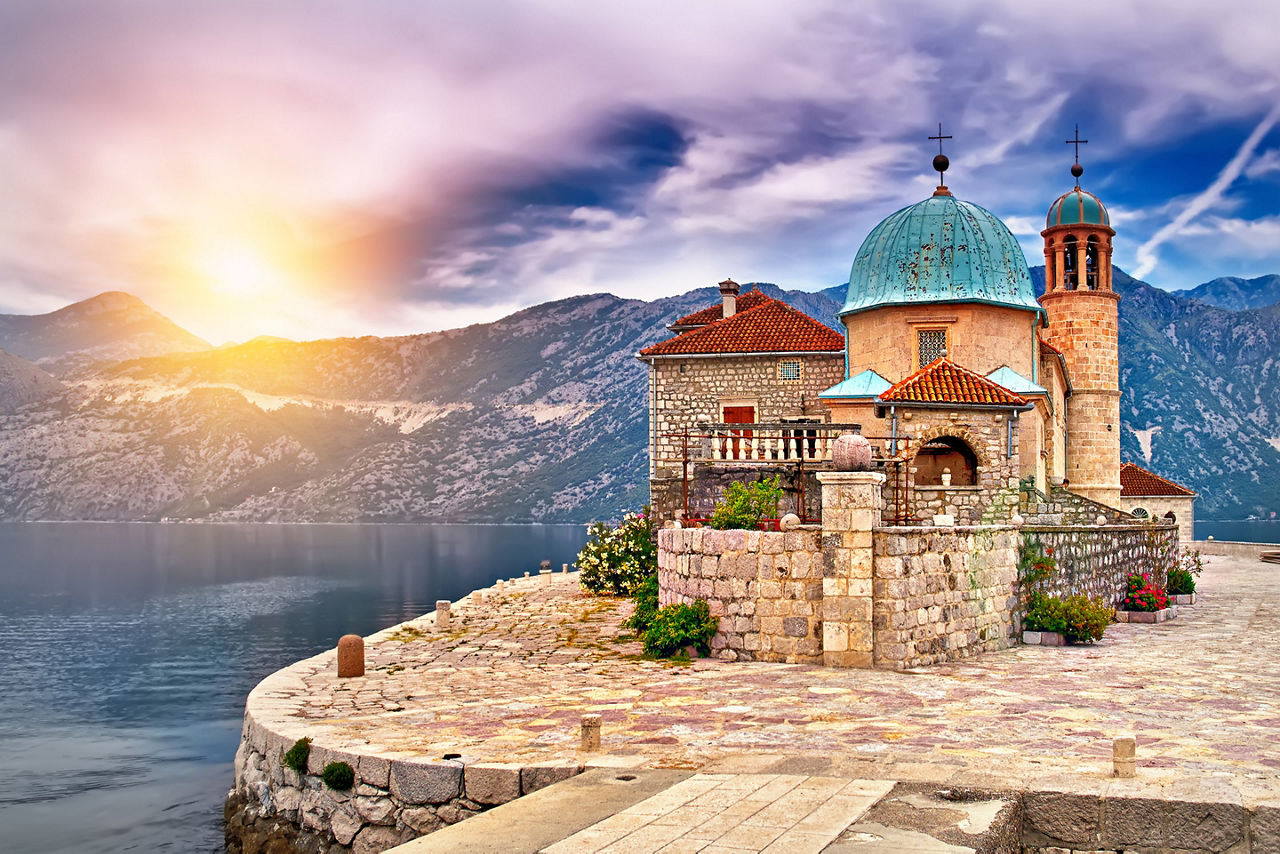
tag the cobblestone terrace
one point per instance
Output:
(511, 678)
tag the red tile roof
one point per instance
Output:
(1137, 481)
(712, 313)
(942, 381)
(771, 326)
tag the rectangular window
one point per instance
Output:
(933, 345)
(789, 370)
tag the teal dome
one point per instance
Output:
(1075, 208)
(940, 250)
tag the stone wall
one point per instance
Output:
(683, 389)
(765, 587)
(943, 593)
(1096, 562)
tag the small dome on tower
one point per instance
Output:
(1077, 207)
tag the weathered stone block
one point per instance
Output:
(796, 627)
(426, 782)
(1134, 821)
(543, 774)
(1205, 827)
(491, 782)
(1063, 817)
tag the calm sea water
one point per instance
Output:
(127, 650)
(1244, 531)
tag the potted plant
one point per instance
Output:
(1145, 602)
(1050, 621)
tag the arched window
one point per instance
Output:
(946, 453)
(1091, 262)
(1139, 513)
(1069, 260)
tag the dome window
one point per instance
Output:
(932, 344)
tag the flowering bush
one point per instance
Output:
(745, 504)
(1143, 595)
(617, 560)
(1077, 619)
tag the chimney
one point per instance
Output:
(729, 293)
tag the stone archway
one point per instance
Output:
(946, 455)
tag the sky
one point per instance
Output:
(312, 168)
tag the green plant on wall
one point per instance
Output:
(678, 625)
(745, 505)
(296, 757)
(1035, 564)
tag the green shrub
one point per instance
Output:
(617, 560)
(296, 756)
(339, 776)
(677, 626)
(1076, 618)
(1086, 619)
(1180, 582)
(745, 504)
(645, 597)
(1044, 614)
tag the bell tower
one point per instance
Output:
(1083, 322)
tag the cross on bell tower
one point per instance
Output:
(1076, 169)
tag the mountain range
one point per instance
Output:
(108, 410)
(1238, 294)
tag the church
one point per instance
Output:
(959, 427)
(965, 383)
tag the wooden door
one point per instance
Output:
(738, 448)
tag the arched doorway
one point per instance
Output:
(946, 453)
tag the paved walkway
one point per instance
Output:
(511, 679)
(731, 814)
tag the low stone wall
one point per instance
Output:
(943, 593)
(1096, 562)
(396, 797)
(1232, 549)
(766, 588)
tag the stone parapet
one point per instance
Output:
(766, 588)
(852, 505)
(943, 593)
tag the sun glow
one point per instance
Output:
(239, 270)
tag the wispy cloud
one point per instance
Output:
(1147, 257)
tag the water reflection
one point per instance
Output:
(131, 647)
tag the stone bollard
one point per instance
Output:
(350, 656)
(477, 598)
(442, 613)
(1124, 757)
(564, 568)
(526, 575)
(591, 732)
(501, 584)
(545, 575)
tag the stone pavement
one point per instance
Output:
(731, 814)
(511, 678)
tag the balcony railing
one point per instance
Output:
(780, 442)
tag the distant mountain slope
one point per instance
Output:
(1238, 294)
(21, 383)
(107, 327)
(541, 415)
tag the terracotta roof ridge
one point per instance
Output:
(1142, 473)
(986, 391)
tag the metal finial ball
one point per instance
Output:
(940, 163)
(1076, 170)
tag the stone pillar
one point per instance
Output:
(851, 506)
